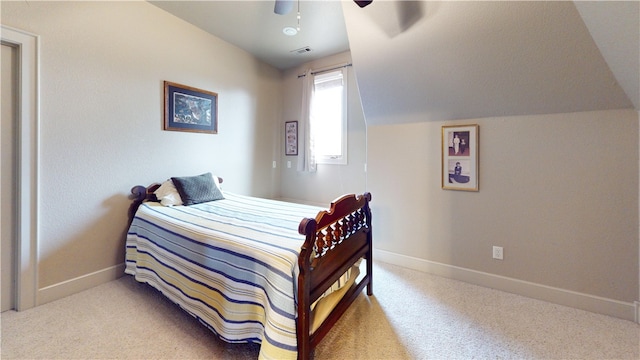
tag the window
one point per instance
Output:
(328, 117)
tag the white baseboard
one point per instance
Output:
(596, 304)
(615, 308)
(81, 283)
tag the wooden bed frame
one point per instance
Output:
(334, 241)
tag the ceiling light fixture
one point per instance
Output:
(289, 31)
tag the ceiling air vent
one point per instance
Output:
(302, 50)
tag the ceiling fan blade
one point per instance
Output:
(283, 7)
(363, 3)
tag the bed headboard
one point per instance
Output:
(141, 193)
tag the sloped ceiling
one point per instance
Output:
(428, 61)
(615, 27)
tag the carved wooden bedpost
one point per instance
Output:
(307, 227)
(139, 194)
(367, 211)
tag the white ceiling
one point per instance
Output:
(254, 27)
(438, 60)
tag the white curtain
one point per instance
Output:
(306, 156)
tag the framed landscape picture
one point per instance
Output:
(189, 109)
(460, 157)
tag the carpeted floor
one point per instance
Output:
(412, 315)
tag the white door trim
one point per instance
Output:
(28, 117)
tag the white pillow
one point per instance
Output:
(217, 181)
(168, 194)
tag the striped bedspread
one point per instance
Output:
(231, 263)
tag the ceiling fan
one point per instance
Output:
(283, 7)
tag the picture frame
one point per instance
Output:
(291, 138)
(190, 109)
(460, 160)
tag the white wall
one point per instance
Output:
(102, 68)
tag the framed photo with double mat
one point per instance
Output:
(460, 163)
(190, 109)
(291, 138)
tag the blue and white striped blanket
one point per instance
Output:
(230, 263)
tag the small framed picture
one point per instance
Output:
(460, 157)
(291, 138)
(189, 109)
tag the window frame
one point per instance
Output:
(343, 158)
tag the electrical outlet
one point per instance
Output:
(497, 252)
(274, 164)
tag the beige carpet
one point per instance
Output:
(412, 315)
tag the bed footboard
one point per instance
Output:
(335, 240)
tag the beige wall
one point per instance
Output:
(330, 181)
(558, 192)
(102, 65)
(554, 190)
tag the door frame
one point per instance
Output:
(28, 109)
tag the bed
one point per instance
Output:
(250, 269)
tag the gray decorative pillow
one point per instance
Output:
(197, 189)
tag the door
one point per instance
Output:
(8, 173)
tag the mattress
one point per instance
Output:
(230, 263)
